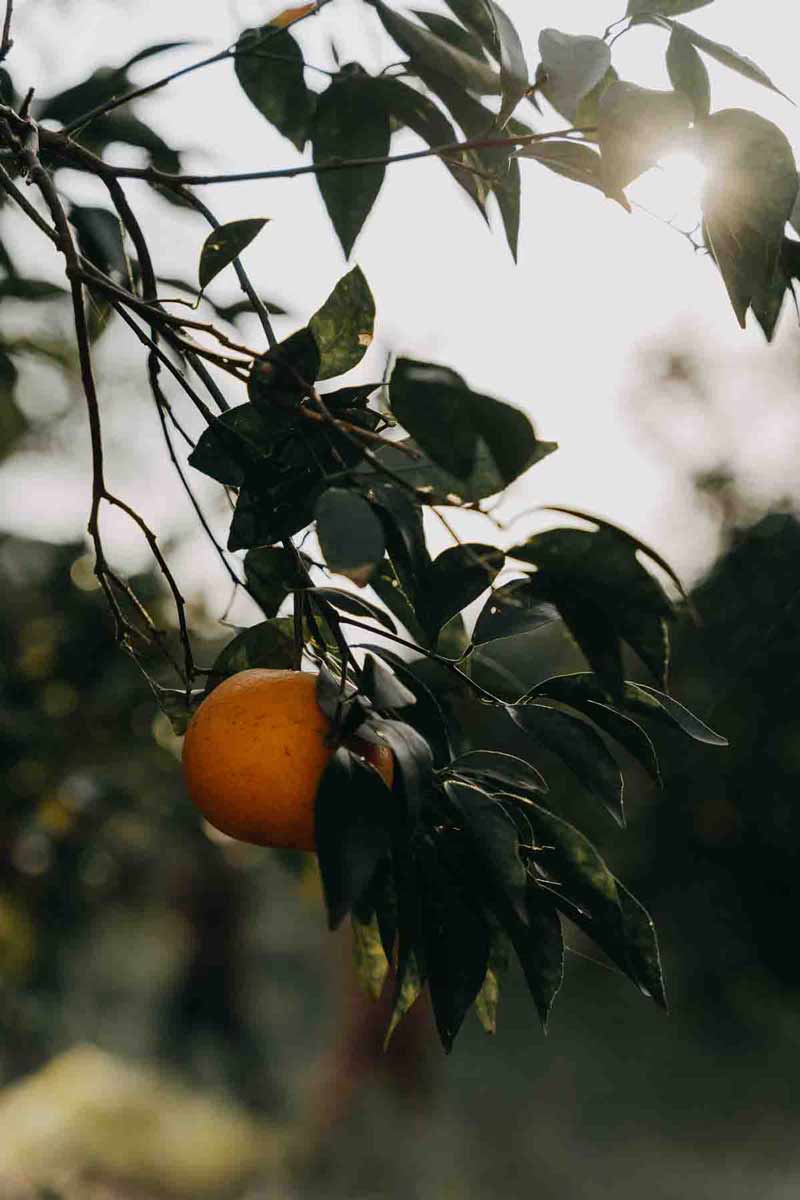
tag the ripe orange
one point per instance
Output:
(254, 754)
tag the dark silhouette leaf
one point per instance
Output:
(350, 534)
(269, 644)
(580, 747)
(347, 602)
(428, 50)
(688, 73)
(269, 66)
(515, 607)
(352, 814)
(349, 124)
(748, 198)
(454, 579)
(224, 244)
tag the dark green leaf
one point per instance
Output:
(450, 421)
(421, 115)
(429, 716)
(349, 124)
(413, 760)
(269, 644)
(152, 51)
(570, 68)
(351, 819)
(100, 239)
(16, 288)
(505, 772)
(450, 31)
(224, 244)
(688, 73)
(237, 440)
(645, 701)
(513, 67)
(636, 126)
(457, 938)
(418, 471)
(577, 872)
(641, 946)
(405, 538)
(425, 48)
(347, 602)
(271, 574)
(515, 607)
(269, 66)
(539, 946)
(574, 161)
(387, 585)
(725, 55)
(602, 591)
(454, 579)
(475, 14)
(625, 731)
(579, 746)
(749, 197)
(383, 687)
(286, 373)
(350, 534)
(344, 325)
(664, 8)
(495, 844)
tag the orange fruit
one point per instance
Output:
(254, 754)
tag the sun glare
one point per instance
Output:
(674, 188)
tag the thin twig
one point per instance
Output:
(147, 89)
(7, 41)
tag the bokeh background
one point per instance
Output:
(174, 1020)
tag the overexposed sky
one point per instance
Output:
(565, 334)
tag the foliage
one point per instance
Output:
(460, 862)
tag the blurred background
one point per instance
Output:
(174, 1019)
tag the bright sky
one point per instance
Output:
(566, 334)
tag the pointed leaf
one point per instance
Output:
(688, 73)
(424, 47)
(513, 67)
(495, 846)
(580, 747)
(749, 197)
(507, 772)
(409, 987)
(539, 946)
(348, 602)
(351, 819)
(384, 688)
(343, 327)
(582, 687)
(450, 421)
(515, 607)
(457, 937)
(574, 161)
(450, 31)
(369, 958)
(454, 579)
(422, 116)
(269, 67)
(579, 874)
(349, 124)
(725, 55)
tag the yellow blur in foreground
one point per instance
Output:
(88, 1113)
